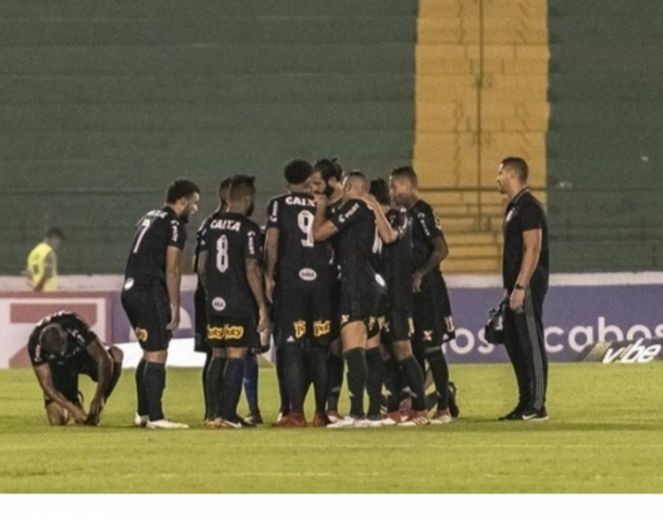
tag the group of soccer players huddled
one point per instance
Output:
(344, 273)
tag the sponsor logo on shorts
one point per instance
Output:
(219, 304)
(321, 328)
(141, 334)
(428, 335)
(129, 283)
(225, 333)
(308, 274)
(300, 328)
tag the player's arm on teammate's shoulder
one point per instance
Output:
(439, 247)
(45, 379)
(387, 233)
(104, 375)
(49, 262)
(323, 229)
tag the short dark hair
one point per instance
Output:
(54, 232)
(224, 186)
(51, 337)
(329, 169)
(297, 171)
(180, 188)
(405, 171)
(380, 190)
(240, 186)
(518, 165)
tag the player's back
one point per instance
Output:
(78, 335)
(425, 228)
(302, 262)
(230, 239)
(397, 257)
(155, 231)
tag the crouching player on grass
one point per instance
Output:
(61, 347)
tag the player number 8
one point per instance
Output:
(222, 254)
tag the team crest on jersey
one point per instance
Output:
(219, 304)
(510, 215)
(141, 334)
(308, 274)
(300, 328)
(321, 328)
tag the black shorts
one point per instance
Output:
(433, 321)
(148, 310)
(200, 344)
(301, 314)
(65, 377)
(225, 332)
(398, 325)
(335, 294)
(361, 306)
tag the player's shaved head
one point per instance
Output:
(297, 171)
(358, 180)
(53, 339)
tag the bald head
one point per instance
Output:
(356, 184)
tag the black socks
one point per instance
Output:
(212, 386)
(357, 377)
(440, 371)
(414, 376)
(334, 381)
(233, 374)
(154, 382)
(374, 381)
(317, 359)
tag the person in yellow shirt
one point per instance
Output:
(42, 268)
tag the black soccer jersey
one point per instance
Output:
(359, 245)
(522, 214)
(78, 335)
(425, 228)
(230, 239)
(155, 232)
(302, 262)
(330, 212)
(398, 260)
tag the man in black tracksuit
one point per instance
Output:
(525, 276)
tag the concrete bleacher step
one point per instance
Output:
(463, 238)
(475, 251)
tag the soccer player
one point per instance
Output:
(61, 347)
(362, 227)
(332, 174)
(229, 269)
(433, 322)
(525, 268)
(200, 305)
(397, 268)
(299, 271)
(42, 265)
(151, 295)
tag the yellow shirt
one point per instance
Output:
(37, 266)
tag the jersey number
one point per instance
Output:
(143, 229)
(305, 223)
(222, 254)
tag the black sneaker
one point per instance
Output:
(531, 414)
(453, 405)
(516, 414)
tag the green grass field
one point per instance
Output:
(605, 435)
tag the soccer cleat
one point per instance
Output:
(453, 404)
(405, 405)
(230, 424)
(441, 417)
(334, 416)
(320, 420)
(374, 422)
(294, 419)
(349, 422)
(392, 418)
(254, 418)
(416, 419)
(535, 415)
(166, 425)
(213, 424)
(141, 421)
(513, 415)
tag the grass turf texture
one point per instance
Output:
(605, 435)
